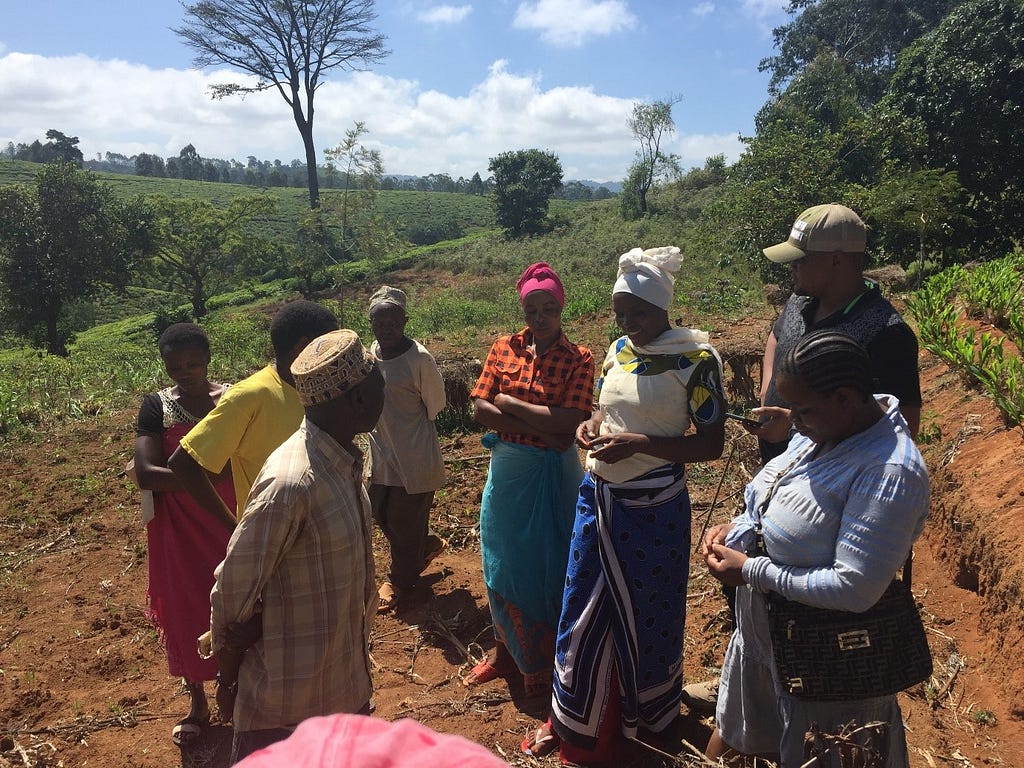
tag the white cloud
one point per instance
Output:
(703, 9)
(444, 14)
(694, 148)
(762, 9)
(569, 23)
(113, 106)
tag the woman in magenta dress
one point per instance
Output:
(185, 542)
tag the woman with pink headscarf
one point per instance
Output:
(535, 388)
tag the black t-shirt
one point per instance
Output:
(151, 416)
(874, 323)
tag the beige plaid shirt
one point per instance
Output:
(302, 554)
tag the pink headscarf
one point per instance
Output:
(541, 277)
(370, 742)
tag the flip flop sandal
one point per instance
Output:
(484, 672)
(439, 546)
(387, 597)
(539, 745)
(188, 730)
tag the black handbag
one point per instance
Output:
(830, 655)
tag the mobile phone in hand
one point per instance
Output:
(752, 423)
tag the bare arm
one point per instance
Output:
(912, 413)
(704, 444)
(774, 420)
(196, 482)
(543, 417)
(490, 415)
(768, 364)
(150, 471)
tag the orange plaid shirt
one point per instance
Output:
(562, 377)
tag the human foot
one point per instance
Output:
(189, 729)
(435, 546)
(543, 741)
(499, 665)
(388, 596)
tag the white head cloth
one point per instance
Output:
(650, 274)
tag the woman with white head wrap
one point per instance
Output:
(618, 654)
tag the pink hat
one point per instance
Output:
(370, 742)
(541, 277)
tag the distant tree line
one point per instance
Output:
(189, 164)
(58, 147)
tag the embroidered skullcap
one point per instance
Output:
(330, 366)
(541, 277)
(370, 742)
(388, 295)
(650, 274)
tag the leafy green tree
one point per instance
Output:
(199, 245)
(149, 165)
(65, 148)
(62, 241)
(784, 170)
(287, 45)
(914, 210)
(315, 248)
(866, 35)
(524, 182)
(575, 190)
(650, 125)
(957, 103)
(190, 164)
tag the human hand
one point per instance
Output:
(240, 635)
(715, 535)
(557, 441)
(225, 697)
(775, 423)
(616, 447)
(726, 565)
(586, 432)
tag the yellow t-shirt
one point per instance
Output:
(251, 419)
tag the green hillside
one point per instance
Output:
(407, 210)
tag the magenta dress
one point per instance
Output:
(186, 543)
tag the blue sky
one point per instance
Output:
(465, 81)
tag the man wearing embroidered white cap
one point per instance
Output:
(301, 558)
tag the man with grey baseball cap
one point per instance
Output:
(826, 255)
(822, 229)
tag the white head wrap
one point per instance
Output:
(650, 274)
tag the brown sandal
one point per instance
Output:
(387, 597)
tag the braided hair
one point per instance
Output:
(827, 360)
(183, 336)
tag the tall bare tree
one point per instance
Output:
(288, 45)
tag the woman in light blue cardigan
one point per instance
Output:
(845, 504)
